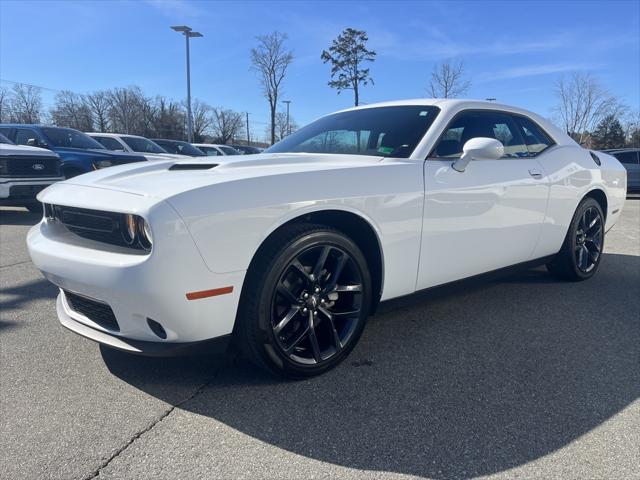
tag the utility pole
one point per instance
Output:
(288, 124)
(248, 136)
(188, 33)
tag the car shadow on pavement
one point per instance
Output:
(18, 217)
(17, 296)
(454, 385)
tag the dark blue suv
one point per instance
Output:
(79, 153)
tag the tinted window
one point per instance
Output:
(4, 139)
(143, 145)
(179, 147)
(68, 137)
(210, 151)
(229, 150)
(109, 143)
(470, 125)
(380, 132)
(23, 135)
(627, 157)
(534, 137)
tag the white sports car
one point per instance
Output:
(289, 252)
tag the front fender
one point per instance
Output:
(230, 220)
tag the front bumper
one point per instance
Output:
(19, 191)
(136, 286)
(153, 349)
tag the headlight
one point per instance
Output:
(144, 234)
(128, 228)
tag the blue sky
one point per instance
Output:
(512, 50)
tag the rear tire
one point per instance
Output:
(305, 301)
(581, 252)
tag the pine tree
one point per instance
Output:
(608, 134)
(347, 54)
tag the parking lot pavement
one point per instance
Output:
(521, 377)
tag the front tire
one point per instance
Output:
(582, 249)
(305, 302)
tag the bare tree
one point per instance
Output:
(270, 60)
(25, 104)
(169, 119)
(5, 110)
(347, 55)
(202, 119)
(127, 110)
(227, 125)
(282, 128)
(71, 110)
(99, 105)
(582, 104)
(448, 80)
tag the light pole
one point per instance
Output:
(188, 33)
(288, 124)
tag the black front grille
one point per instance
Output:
(26, 192)
(28, 166)
(98, 225)
(95, 311)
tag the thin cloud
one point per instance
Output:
(533, 70)
(175, 8)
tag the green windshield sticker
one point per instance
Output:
(385, 150)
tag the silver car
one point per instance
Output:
(630, 158)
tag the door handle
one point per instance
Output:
(535, 173)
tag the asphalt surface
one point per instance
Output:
(521, 377)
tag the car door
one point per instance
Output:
(487, 217)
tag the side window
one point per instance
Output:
(475, 124)
(23, 135)
(211, 152)
(110, 143)
(534, 137)
(629, 158)
(6, 132)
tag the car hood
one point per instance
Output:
(14, 150)
(164, 179)
(99, 153)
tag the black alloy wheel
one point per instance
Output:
(583, 245)
(305, 301)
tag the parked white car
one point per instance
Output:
(214, 150)
(132, 143)
(291, 250)
(24, 172)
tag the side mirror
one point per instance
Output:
(479, 148)
(32, 142)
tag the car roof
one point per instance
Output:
(114, 135)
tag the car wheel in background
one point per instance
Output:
(305, 301)
(582, 249)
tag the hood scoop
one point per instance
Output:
(192, 166)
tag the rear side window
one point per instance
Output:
(474, 124)
(534, 137)
(110, 143)
(629, 158)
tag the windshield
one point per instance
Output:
(68, 137)
(4, 139)
(144, 145)
(380, 132)
(229, 150)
